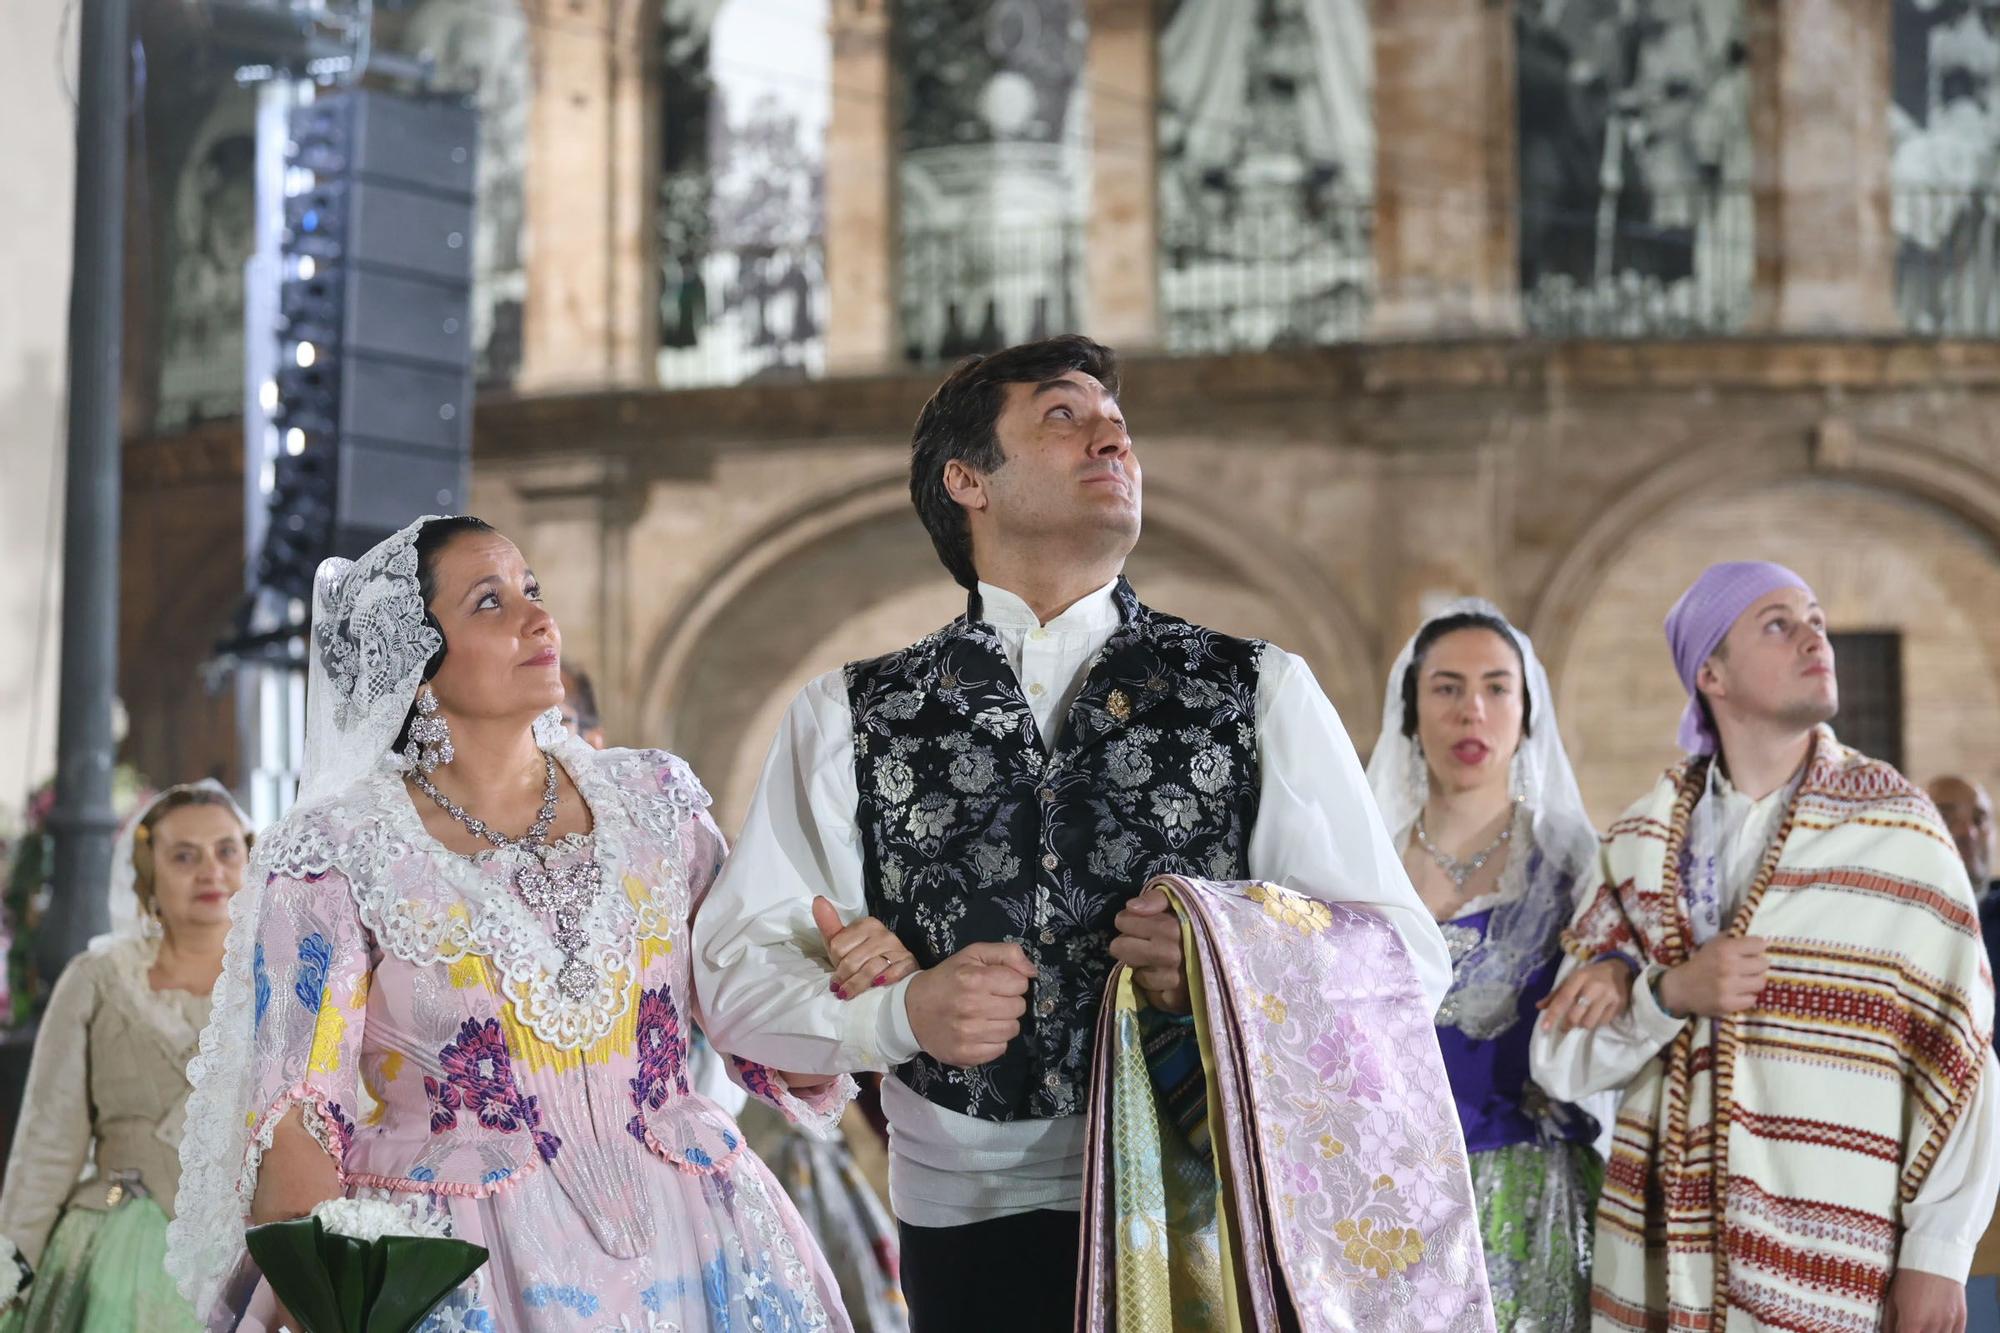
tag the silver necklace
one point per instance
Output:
(564, 892)
(1460, 871)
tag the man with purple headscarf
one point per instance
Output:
(1807, 1129)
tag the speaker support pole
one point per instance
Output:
(83, 821)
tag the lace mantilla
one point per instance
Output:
(375, 632)
(371, 642)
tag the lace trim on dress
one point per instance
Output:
(1530, 906)
(175, 1017)
(458, 908)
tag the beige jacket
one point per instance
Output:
(107, 1093)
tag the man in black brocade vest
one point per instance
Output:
(983, 808)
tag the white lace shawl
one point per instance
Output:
(404, 884)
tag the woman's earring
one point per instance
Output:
(149, 920)
(1420, 773)
(430, 733)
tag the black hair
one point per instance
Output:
(960, 422)
(1451, 624)
(430, 542)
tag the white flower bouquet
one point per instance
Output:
(360, 1266)
(15, 1275)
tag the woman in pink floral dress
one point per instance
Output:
(491, 1030)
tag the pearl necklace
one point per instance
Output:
(566, 892)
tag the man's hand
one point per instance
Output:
(1149, 942)
(864, 954)
(1922, 1302)
(1723, 977)
(965, 1010)
(1589, 997)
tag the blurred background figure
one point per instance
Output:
(579, 706)
(1968, 813)
(107, 1089)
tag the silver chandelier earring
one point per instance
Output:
(1420, 774)
(430, 733)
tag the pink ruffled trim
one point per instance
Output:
(717, 1167)
(302, 1093)
(457, 1189)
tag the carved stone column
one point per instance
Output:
(862, 255)
(591, 315)
(1122, 233)
(1445, 198)
(1826, 256)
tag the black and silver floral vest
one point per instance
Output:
(971, 831)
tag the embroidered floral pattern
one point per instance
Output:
(1346, 1060)
(1308, 916)
(333, 1127)
(1209, 770)
(261, 979)
(894, 780)
(1389, 1250)
(663, 1054)
(309, 984)
(757, 1080)
(972, 830)
(479, 1080)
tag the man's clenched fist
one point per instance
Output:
(965, 1010)
(1149, 942)
(1723, 977)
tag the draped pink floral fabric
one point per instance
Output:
(1339, 1164)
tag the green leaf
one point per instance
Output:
(418, 1273)
(347, 1267)
(288, 1253)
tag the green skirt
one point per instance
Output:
(103, 1272)
(1537, 1207)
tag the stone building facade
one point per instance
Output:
(708, 550)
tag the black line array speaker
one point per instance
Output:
(373, 396)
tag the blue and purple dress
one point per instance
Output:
(1535, 1174)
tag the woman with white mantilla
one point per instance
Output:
(1474, 786)
(458, 980)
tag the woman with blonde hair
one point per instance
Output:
(108, 1085)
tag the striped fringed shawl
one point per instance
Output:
(1762, 1160)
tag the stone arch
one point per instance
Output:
(1905, 464)
(1895, 535)
(716, 671)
